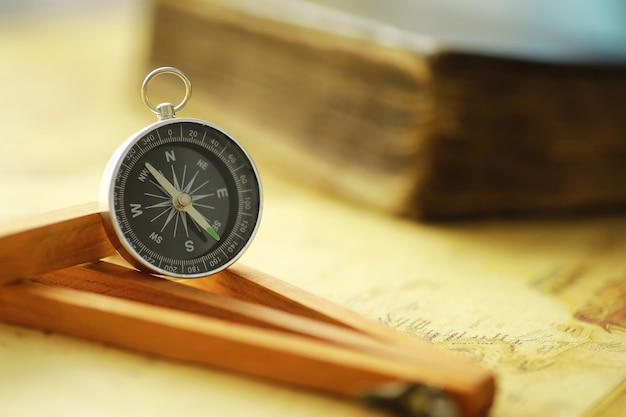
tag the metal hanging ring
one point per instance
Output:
(165, 70)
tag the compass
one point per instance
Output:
(181, 197)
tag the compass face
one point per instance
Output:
(182, 198)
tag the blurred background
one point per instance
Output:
(553, 30)
(433, 110)
(69, 86)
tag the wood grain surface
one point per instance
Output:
(63, 238)
(227, 320)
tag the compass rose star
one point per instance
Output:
(180, 201)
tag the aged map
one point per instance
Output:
(542, 303)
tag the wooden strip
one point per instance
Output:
(246, 283)
(76, 235)
(52, 241)
(188, 337)
(117, 281)
(114, 280)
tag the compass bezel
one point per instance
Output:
(112, 221)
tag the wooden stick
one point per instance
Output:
(52, 241)
(117, 281)
(246, 283)
(74, 236)
(192, 338)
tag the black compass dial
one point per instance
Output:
(184, 198)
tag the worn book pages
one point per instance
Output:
(398, 119)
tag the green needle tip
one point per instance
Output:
(213, 233)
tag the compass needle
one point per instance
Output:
(163, 182)
(157, 185)
(204, 224)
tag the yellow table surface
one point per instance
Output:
(504, 293)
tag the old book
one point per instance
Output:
(397, 121)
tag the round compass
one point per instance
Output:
(181, 197)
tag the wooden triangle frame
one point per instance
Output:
(60, 273)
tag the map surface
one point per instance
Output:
(542, 303)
